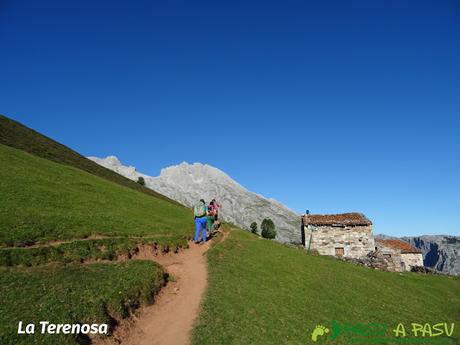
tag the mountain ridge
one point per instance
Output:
(187, 183)
(440, 252)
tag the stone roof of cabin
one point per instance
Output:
(404, 247)
(343, 219)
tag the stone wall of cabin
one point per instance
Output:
(356, 241)
(412, 259)
(397, 261)
(392, 256)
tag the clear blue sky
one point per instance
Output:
(333, 106)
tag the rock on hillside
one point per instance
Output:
(440, 252)
(187, 183)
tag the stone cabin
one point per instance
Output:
(400, 255)
(344, 235)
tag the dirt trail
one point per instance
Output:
(170, 319)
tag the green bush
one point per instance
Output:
(253, 227)
(141, 181)
(268, 228)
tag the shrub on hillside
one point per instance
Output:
(253, 227)
(141, 181)
(268, 228)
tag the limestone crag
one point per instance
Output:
(187, 183)
(440, 252)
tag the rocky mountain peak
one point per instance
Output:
(187, 183)
(113, 160)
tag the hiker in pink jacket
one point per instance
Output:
(213, 211)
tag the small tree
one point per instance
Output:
(141, 181)
(268, 228)
(253, 227)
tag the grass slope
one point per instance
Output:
(16, 135)
(262, 292)
(94, 214)
(73, 294)
(42, 201)
(90, 249)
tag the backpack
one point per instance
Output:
(212, 210)
(199, 210)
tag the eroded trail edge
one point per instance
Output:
(170, 320)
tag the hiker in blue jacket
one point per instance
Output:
(200, 211)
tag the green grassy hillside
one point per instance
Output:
(54, 216)
(43, 201)
(16, 135)
(262, 292)
(97, 293)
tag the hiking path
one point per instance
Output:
(170, 320)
